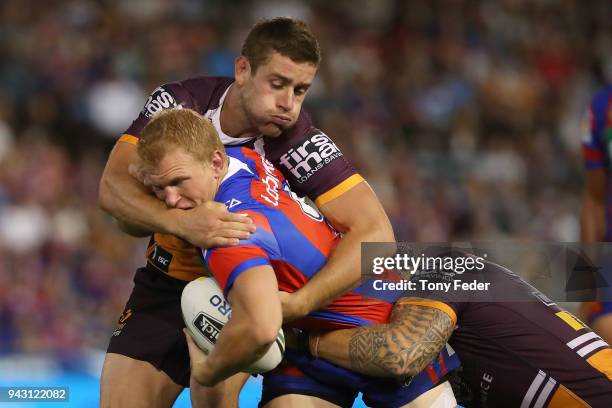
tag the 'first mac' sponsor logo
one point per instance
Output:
(208, 326)
(158, 100)
(304, 161)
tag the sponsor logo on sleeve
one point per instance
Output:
(159, 99)
(160, 258)
(311, 156)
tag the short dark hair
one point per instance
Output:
(287, 36)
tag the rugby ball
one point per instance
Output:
(205, 312)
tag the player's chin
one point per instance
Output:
(186, 205)
(271, 130)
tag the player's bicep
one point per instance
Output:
(123, 153)
(365, 208)
(255, 290)
(116, 171)
(123, 167)
(407, 305)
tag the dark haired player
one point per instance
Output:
(521, 351)
(147, 362)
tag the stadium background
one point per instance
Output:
(465, 117)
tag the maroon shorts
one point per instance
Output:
(150, 328)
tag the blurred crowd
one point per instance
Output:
(465, 117)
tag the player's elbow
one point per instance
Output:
(403, 371)
(265, 330)
(264, 335)
(384, 231)
(376, 227)
(410, 371)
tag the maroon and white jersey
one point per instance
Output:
(310, 161)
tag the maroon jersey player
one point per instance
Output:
(517, 348)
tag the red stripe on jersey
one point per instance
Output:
(261, 171)
(224, 260)
(259, 219)
(287, 370)
(318, 233)
(289, 278)
(316, 323)
(353, 304)
(266, 190)
(442, 363)
(592, 154)
(433, 376)
(260, 193)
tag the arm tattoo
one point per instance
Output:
(403, 347)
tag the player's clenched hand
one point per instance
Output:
(197, 359)
(211, 224)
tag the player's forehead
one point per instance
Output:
(282, 66)
(173, 164)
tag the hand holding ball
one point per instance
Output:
(205, 312)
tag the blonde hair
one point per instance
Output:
(184, 128)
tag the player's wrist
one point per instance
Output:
(202, 373)
(302, 302)
(171, 223)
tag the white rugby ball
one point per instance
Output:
(205, 312)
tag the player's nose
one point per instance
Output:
(172, 198)
(285, 100)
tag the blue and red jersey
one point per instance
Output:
(597, 145)
(295, 240)
(292, 237)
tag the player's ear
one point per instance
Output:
(242, 69)
(217, 163)
(139, 171)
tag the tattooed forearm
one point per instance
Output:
(404, 347)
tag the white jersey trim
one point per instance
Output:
(533, 388)
(215, 117)
(234, 167)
